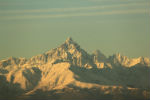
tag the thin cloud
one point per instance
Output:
(114, 12)
(72, 9)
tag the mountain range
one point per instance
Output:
(68, 72)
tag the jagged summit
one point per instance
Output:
(72, 52)
(70, 44)
(69, 51)
(69, 67)
(69, 40)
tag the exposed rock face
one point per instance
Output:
(125, 61)
(13, 61)
(69, 69)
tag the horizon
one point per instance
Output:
(29, 28)
(81, 47)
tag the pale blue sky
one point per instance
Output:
(32, 27)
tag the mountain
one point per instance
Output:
(69, 72)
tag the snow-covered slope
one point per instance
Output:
(70, 69)
(118, 59)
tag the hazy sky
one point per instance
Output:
(32, 27)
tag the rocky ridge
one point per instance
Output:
(70, 68)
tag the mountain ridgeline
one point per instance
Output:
(69, 72)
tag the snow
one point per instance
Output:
(69, 64)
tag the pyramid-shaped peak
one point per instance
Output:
(70, 44)
(69, 40)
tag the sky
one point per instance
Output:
(32, 27)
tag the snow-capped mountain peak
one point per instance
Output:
(70, 67)
(69, 40)
(70, 44)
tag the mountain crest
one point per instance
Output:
(69, 40)
(69, 69)
(71, 52)
(70, 44)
